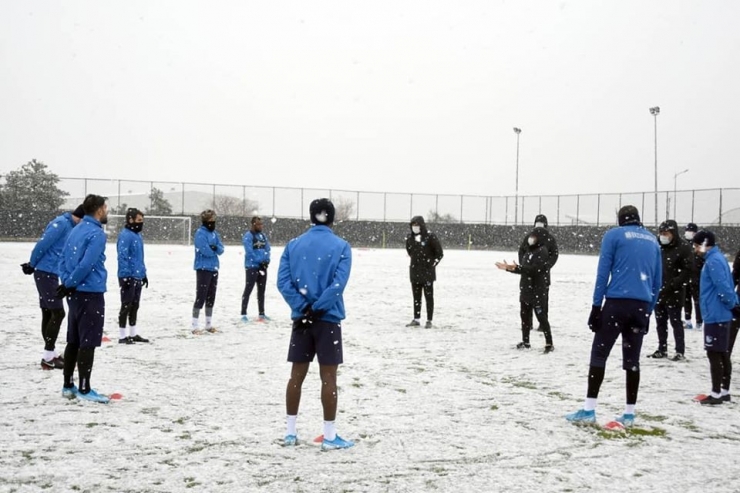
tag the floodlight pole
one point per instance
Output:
(655, 111)
(675, 179)
(517, 131)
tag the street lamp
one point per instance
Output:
(675, 178)
(517, 131)
(655, 111)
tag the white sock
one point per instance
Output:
(590, 404)
(195, 323)
(290, 425)
(629, 409)
(49, 355)
(122, 332)
(208, 322)
(330, 431)
(725, 392)
(716, 395)
(132, 331)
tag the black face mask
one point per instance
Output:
(135, 227)
(210, 225)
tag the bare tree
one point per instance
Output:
(226, 205)
(436, 217)
(344, 209)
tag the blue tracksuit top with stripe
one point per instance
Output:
(47, 253)
(314, 270)
(256, 249)
(717, 294)
(630, 266)
(205, 257)
(130, 247)
(83, 258)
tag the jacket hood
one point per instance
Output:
(540, 234)
(671, 226)
(541, 218)
(419, 220)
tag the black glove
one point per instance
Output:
(736, 312)
(307, 319)
(214, 247)
(145, 282)
(435, 263)
(63, 291)
(264, 265)
(594, 319)
(27, 269)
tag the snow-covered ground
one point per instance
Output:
(454, 408)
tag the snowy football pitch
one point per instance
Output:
(454, 408)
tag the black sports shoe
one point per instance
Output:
(658, 355)
(523, 345)
(413, 323)
(549, 348)
(126, 340)
(726, 398)
(428, 325)
(710, 401)
(47, 365)
(138, 338)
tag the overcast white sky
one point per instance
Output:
(378, 95)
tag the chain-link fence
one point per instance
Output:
(704, 207)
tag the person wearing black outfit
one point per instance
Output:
(551, 254)
(425, 252)
(677, 260)
(256, 261)
(533, 289)
(692, 289)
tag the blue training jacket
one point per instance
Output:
(256, 249)
(47, 253)
(205, 257)
(630, 266)
(83, 258)
(130, 247)
(717, 294)
(314, 270)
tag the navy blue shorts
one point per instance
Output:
(628, 318)
(86, 319)
(47, 284)
(323, 339)
(130, 289)
(717, 337)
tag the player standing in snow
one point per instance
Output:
(719, 305)
(313, 273)
(425, 252)
(131, 275)
(551, 248)
(83, 275)
(44, 265)
(629, 277)
(677, 263)
(692, 290)
(533, 289)
(256, 261)
(208, 247)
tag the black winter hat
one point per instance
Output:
(705, 237)
(669, 225)
(79, 212)
(322, 212)
(692, 227)
(541, 218)
(628, 215)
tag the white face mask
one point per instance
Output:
(416, 229)
(531, 241)
(689, 235)
(321, 217)
(664, 240)
(539, 225)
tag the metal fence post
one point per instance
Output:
(385, 204)
(183, 199)
(119, 196)
(558, 223)
(358, 206)
(598, 208)
(720, 207)
(462, 199)
(578, 209)
(693, 192)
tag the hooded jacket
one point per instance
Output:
(425, 252)
(548, 242)
(717, 295)
(533, 270)
(83, 258)
(47, 253)
(130, 248)
(677, 265)
(256, 249)
(206, 258)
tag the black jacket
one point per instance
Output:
(697, 262)
(533, 267)
(425, 252)
(736, 271)
(677, 266)
(548, 242)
